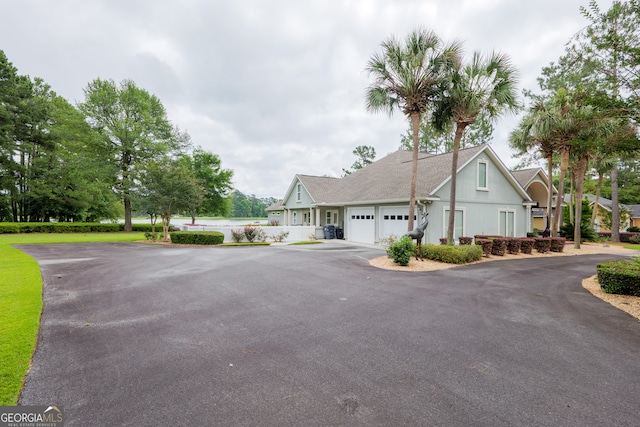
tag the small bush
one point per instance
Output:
(197, 237)
(465, 240)
(635, 239)
(280, 237)
(586, 233)
(254, 234)
(401, 250)
(620, 277)
(526, 245)
(486, 245)
(633, 229)
(532, 234)
(387, 241)
(443, 240)
(557, 244)
(499, 247)
(542, 244)
(513, 245)
(237, 235)
(452, 254)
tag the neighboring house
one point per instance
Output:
(373, 202)
(534, 181)
(604, 208)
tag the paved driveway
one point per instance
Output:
(312, 335)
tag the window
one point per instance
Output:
(458, 229)
(483, 167)
(298, 192)
(507, 223)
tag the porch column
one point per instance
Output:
(312, 219)
(317, 216)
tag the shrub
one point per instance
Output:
(586, 233)
(280, 237)
(499, 247)
(401, 250)
(254, 234)
(513, 245)
(532, 234)
(443, 240)
(526, 245)
(452, 254)
(9, 227)
(237, 235)
(557, 244)
(633, 229)
(624, 237)
(620, 277)
(466, 240)
(542, 244)
(197, 237)
(486, 245)
(635, 239)
(387, 241)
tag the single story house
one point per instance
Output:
(373, 202)
(604, 208)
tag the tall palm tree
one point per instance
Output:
(409, 76)
(487, 83)
(533, 132)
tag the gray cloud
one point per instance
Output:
(275, 88)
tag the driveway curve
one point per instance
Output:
(146, 335)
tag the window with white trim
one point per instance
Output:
(458, 225)
(507, 222)
(295, 218)
(483, 175)
(298, 192)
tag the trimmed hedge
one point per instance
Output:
(499, 246)
(513, 245)
(197, 237)
(486, 245)
(465, 240)
(625, 237)
(462, 254)
(71, 227)
(542, 244)
(557, 244)
(620, 277)
(526, 245)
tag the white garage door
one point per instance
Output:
(394, 220)
(361, 225)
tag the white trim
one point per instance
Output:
(445, 221)
(506, 226)
(485, 162)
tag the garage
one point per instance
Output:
(394, 220)
(361, 225)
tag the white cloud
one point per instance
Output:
(274, 88)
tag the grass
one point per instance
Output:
(21, 302)
(306, 242)
(632, 246)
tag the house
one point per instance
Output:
(604, 209)
(535, 183)
(373, 202)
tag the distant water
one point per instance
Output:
(178, 222)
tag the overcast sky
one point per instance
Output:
(273, 87)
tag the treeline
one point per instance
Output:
(243, 206)
(101, 159)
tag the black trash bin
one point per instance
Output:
(339, 233)
(329, 231)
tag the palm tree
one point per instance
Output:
(487, 84)
(409, 76)
(533, 132)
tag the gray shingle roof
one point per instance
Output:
(320, 188)
(524, 176)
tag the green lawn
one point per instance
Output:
(21, 302)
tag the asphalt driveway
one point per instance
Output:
(145, 335)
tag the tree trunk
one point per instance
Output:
(415, 127)
(615, 207)
(580, 173)
(454, 173)
(127, 213)
(550, 194)
(564, 165)
(597, 200)
(166, 218)
(193, 218)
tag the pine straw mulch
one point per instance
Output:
(627, 303)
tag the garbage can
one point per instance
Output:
(329, 231)
(339, 233)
